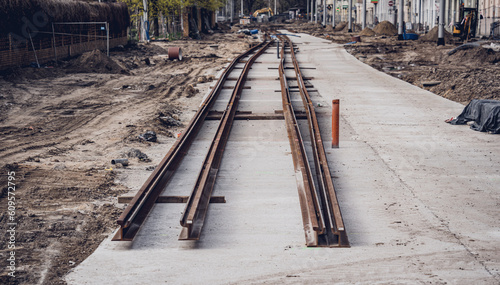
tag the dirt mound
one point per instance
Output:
(385, 28)
(329, 28)
(340, 26)
(151, 49)
(476, 56)
(96, 62)
(432, 36)
(367, 32)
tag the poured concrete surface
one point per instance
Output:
(420, 198)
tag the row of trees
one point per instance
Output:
(169, 9)
(173, 7)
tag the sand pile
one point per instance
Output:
(97, 62)
(432, 36)
(385, 28)
(367, 32)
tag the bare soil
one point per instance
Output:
(61, 125)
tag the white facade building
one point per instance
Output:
(419, 15)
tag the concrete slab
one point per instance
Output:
(420, 198)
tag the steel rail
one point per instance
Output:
(197, 206)
(332, 232)
(309, 203)
(139, 208)
(331, 208)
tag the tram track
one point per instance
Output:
(322, 219)
(139, 208)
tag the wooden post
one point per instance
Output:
(335, 123)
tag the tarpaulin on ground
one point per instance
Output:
(485, 115)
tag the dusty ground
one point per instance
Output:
(461, 77)
(60, 127)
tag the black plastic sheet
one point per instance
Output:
(485, 115)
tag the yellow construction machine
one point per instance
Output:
(466, 26)
(264, 10)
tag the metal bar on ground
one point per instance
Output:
(172, 199)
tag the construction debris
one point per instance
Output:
(149, 136)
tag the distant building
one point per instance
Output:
(419, 14)
(490, 10)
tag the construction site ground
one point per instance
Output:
(63, 124)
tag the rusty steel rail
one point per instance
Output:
(197, 206)
(322, 218)
(139, 208)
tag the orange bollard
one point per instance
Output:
(335, 123)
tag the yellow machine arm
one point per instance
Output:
(264, 10)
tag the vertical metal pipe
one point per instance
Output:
(307, 14)
(316, 12)
(419, 14)
(232, 10)
(333, 12)
(364, 14)
(312, 1)
(349, 15)
(401, 14)
(242, 8)
(312, 11)
(335, 123)
(453, 12)
(324, 13)
(440, 41)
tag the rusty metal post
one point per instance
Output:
(335, 123)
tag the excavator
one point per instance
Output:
(466, 27)
(264, 10)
